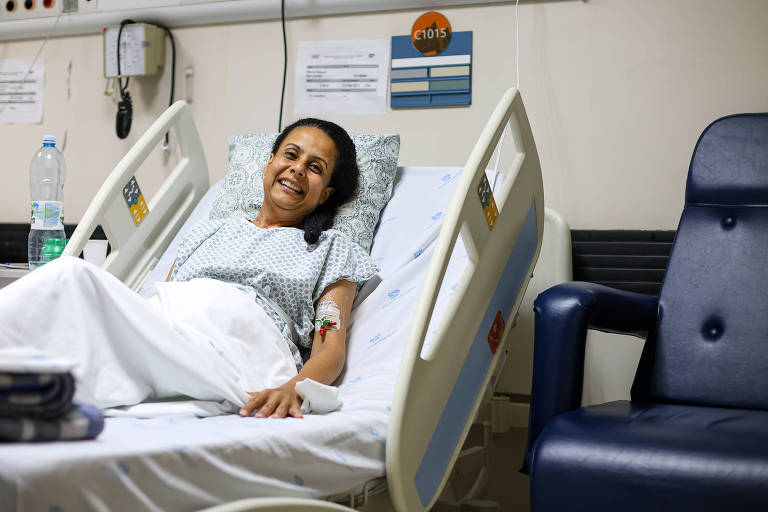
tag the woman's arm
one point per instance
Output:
(324, 365)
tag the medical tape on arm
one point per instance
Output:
(327, 316)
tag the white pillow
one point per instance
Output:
(242, 192)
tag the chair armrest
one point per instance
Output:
(563, 315)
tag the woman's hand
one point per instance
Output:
(324, 365)
(274, 402)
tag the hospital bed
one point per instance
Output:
(424, 343)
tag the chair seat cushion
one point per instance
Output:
(652, 457)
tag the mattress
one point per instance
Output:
(180, 462)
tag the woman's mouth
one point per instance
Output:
(294, 187)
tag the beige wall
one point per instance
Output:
(617, 92)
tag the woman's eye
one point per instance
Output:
(316, 168)
(290, 154)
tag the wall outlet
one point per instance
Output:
(26, 9)
(11, 10)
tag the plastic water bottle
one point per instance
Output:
(47, 172)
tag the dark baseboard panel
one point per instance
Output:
(13, 240)
(631, 260)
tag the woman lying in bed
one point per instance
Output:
(251, 307)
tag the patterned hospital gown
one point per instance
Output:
(276, 261)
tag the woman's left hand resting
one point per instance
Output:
(275, 402)
(324, 364)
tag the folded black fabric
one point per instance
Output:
(80, 421)
(36, 399)
(36, 395)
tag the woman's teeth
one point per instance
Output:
(291, 186)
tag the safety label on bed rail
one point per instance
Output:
(135, 199)
(497, 329)
(486, 200)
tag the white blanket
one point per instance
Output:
(187, 463)
(201, 339)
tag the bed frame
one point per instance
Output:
(439, 390)
(135, 249)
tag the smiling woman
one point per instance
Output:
(297, 178)
(235, 322)
(311, 171)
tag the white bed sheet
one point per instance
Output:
(186, 463)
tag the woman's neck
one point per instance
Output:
(267, 219)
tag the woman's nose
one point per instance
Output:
(298, 169)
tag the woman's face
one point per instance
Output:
(296, 178)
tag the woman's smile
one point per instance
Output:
(297, 177)
(291, 185)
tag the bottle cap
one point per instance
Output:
(49, 139)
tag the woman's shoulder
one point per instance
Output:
(234, 225)
(335, 236)
(338, 240)
(232, 222)
(210, 223)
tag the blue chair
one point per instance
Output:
(695, 434)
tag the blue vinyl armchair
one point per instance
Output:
(695, 434)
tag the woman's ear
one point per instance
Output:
(326, 194)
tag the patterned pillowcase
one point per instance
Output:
(242, 191)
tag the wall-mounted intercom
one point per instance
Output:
(142, 50)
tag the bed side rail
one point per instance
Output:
(437, 395)
(135, 249)
(279, 505)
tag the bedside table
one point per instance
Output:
(9, 275)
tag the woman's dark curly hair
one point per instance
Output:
(343, 180)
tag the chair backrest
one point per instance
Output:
(710, 346)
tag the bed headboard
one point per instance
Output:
(437, 395)
(136, 249)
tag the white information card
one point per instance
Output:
(342, 77)
(21, 94)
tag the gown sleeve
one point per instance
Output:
(345, 260)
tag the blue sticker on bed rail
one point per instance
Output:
(468, 385)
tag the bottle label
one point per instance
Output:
(47, 215)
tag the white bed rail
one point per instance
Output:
(135, 249)
(437, 396)
(278, 505)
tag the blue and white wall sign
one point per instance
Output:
(417, 80)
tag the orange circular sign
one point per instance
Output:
(431, 33)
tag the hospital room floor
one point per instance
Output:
(506, 485)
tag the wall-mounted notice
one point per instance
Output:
(341, 77)
(419, 80)
(21, 93)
